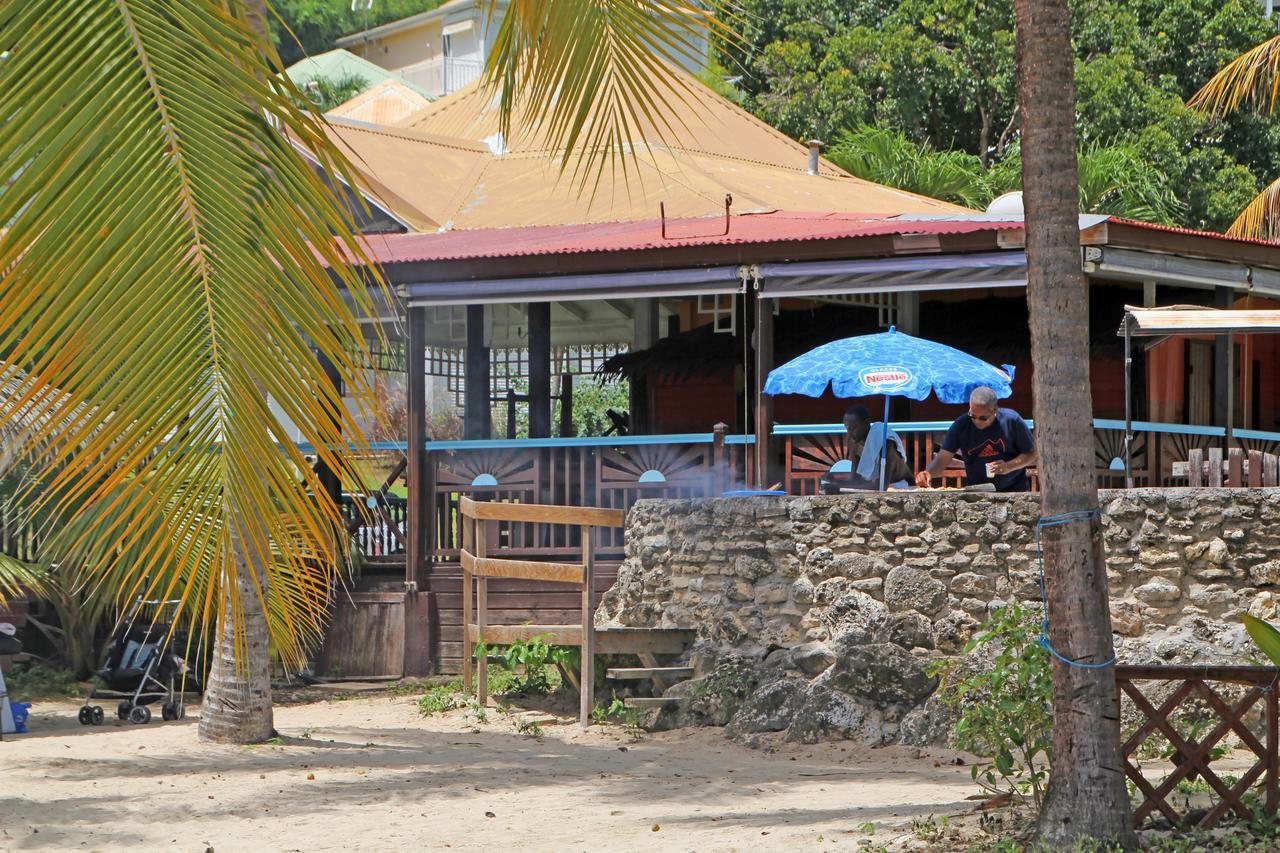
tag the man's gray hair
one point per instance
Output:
(983, 397)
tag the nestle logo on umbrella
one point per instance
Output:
(884, 377)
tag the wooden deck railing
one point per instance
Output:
(480, 519)
(1192, 756)
(1241, 468)
(615, 472)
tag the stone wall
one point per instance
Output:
(799, 588)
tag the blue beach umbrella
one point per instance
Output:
(890, 363)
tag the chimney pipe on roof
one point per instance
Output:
(815, 145)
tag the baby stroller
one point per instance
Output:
(140, 670)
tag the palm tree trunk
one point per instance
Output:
(237, 699)
(1086, 797)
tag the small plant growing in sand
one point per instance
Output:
(528, 728)
(618, 712)
(532, 663)
(1002, 707)
(444, 697)
(475, 713)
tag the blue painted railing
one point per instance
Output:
(577, 441)
(1098, 423)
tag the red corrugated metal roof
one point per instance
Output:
(777, 227)
(1191, 232)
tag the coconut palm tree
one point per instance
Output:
(1248, 82)
(170, 264)
(1086, 798)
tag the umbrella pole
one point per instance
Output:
(884, 444)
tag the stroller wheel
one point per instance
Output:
(96, 714)
(85, 716)
(166, 712)
(122, 710)
(140, 714)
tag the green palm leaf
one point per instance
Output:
(170, 263)
(1264, 635)
(590, 72)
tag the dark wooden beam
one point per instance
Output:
(571, 309)
(416, 388)
(476, 404)
(539, 369)
(644, 318)
(621, 306)
(330, 482)
(762, 344)
(1223, 380)
(420, 650)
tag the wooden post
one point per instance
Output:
(764, 403)
(468, 543)
(511, 413)
(644, 320)
(1195, 467)
(482, 601)
(330, 482)
(1215, 466)
(1255, 468)
(419, 508)
(587, 677)
(566, 406)
(421, 653)
(476, 403)
(1273, 748)
(1270, 469)
(539, 369)
(1222, 371)
(1235, 468)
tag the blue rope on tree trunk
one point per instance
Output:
(1043, 640)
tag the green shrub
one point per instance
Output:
(1004, 711)
(32, 681)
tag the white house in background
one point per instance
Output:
(442, 50)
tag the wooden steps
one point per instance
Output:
(650, 701)
(644, 672)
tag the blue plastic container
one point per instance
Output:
(21, 710)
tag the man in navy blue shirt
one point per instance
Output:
(994, 443)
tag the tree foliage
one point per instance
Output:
(941, 72)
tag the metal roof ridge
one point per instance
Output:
(410, 135)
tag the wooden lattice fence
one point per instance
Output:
(1191, 756)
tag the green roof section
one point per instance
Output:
(339, 63)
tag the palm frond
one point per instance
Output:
(171, 267)
(888, 157)
(1249, 79)
(1116, 179)
(18, 578)
(590, 72)
(1260, 219)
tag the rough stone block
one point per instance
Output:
(971, 583)
(1158, 590)
(908, 588)
(1265, 574)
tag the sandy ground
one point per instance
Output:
(372, 774)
